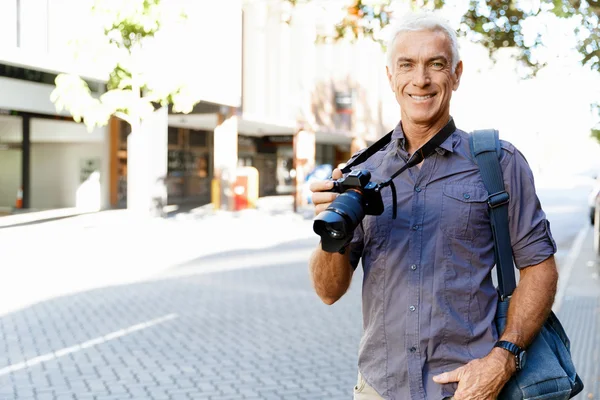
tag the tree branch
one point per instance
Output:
(124, 117)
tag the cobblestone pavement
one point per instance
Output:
(580, 316)
(257, 333)
(241, 324)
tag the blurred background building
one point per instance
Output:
(43, 152)
(273, 100)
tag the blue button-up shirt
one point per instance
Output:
(428, 297)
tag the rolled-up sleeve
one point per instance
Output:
(531, 238)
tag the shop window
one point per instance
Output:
(173, 136)
(125, 130)
(202, 166)
(198, 138)
(325, 154)
(244, 161)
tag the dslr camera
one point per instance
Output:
(359, 197)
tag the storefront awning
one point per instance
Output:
(46, 63)
(246, 126)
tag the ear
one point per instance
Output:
(389, 76)
(457, 74)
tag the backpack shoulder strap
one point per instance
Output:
(486, 151)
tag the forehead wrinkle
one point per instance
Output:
(421, 51)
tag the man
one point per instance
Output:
(428, 296)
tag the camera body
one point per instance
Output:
(359, 197)
(360, 180)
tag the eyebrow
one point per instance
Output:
(435, 58)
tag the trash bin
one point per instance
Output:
(245, 189)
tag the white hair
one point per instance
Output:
(423, 21)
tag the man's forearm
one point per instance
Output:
(531, 302)
(331, 274)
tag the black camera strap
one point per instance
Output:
(369, 151)
(419, 155)
(422, 153)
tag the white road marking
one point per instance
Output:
(566, 270)
(82, 346)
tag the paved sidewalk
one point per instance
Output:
(117, 247)
(25, 217)
(256, 333)
(131, 292)
(579, 313)
(270, 205)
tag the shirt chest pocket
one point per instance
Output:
(464, 210)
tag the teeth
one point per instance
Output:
(422, 97)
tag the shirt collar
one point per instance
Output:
(447, 145)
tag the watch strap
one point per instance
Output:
(518, 352)
(513, 348)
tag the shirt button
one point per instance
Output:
(415, 227)
(412, 308)
(417, 189)
(413, 349)
(466, 196)
(413, 267)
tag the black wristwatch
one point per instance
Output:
(519, 353)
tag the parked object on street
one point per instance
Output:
(159, 198)
(593, 199)
(19, 201)
(245, 188)
(594, 213)
(596, 222)
(320, 173)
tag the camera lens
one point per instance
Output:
(336, 224)
(334, 233)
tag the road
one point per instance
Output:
(239, 321)
(565, 202)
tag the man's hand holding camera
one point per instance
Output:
(331, 272)
(320, 198)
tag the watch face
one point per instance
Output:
(522, 357)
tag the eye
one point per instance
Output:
(404, 65)
(437, 65)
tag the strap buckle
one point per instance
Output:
(504, 297)
(498, 199)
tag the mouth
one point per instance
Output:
(422, 98)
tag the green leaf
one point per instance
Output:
(595, 133)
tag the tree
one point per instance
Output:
(131, 37)
(499, 23)
(135, 87)
(495, 24)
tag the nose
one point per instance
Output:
(421, 77)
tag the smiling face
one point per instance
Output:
(421, 76)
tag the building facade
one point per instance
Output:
(271, 99)
(303, 104)
(46, 159)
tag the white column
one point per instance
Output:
(146, 161)
(225, 157)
